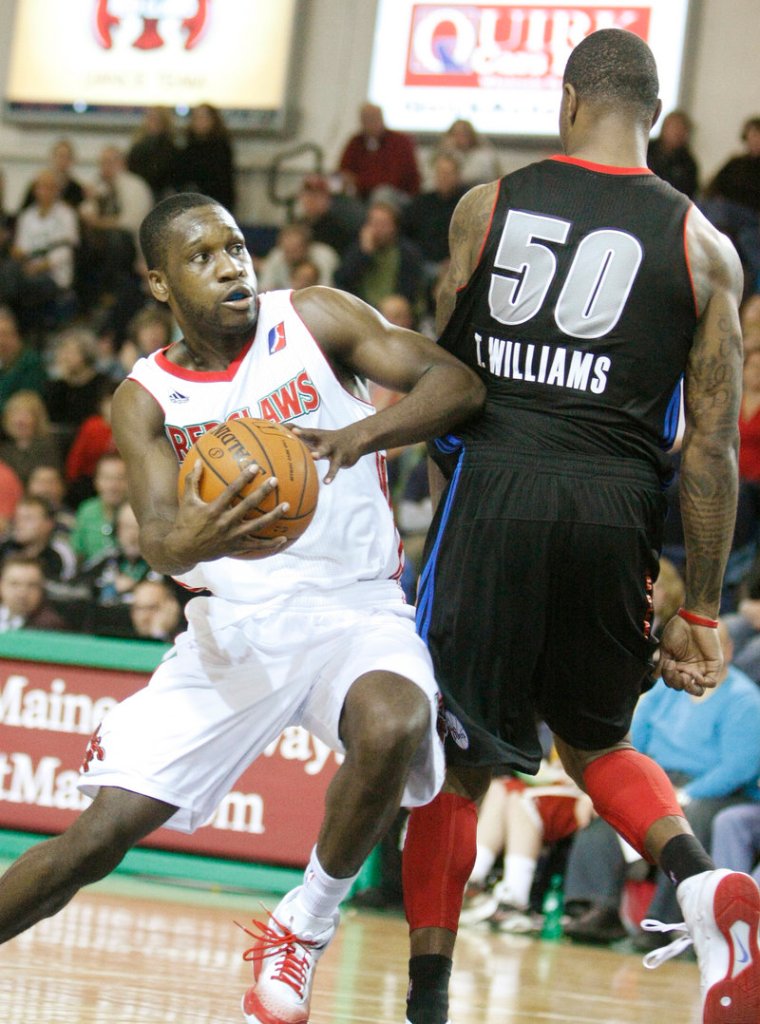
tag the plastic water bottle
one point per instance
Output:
(552, 907)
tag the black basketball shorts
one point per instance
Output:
(535, 601)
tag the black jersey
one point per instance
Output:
(580, 313)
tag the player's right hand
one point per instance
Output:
(220, 528)
(691, 657)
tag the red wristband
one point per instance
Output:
(697, 620)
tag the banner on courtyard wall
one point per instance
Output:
(500, 64)
(92, 54)
(48, 713)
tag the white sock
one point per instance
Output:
(518, 878)
(484, 861)
(321, 894)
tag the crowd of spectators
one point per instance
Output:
(76, 310)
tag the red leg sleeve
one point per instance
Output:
(631, 792)
(439, 854)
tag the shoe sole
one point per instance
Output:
(476, 915)
(255, 1013)
(736, 908)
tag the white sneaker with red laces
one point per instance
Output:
(721, 909)
(284, 955)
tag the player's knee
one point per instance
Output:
(575, 761)
(388, 729)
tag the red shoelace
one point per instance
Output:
(293, 953)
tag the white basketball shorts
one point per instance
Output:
(239, 675)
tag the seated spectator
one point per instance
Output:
(61, 162)
(27, 440)
(207, 163)
(11, 492)
(21, 367)
(149, 330)
(750, 314)
(518, 817)
(33, 535)
(294, 245)
(73, 393)
(736, 838)
(132, 296)
(427, 217)
(378, 157)
(478, 160)
(334, 220)
(110, 576)
(155, 613)
(93, 440)
(749, 425)
(382, 262)
(23, 604)
(116, 203)
(710, 748)
(732, 201)
(47, 482)
(10, 274)
(304, 275)
(45, 241)
(154, 154)
(744, 624)
(669, 156)
(96, 517)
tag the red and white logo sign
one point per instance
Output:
(484, 45)
(141, 24)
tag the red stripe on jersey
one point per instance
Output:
(688, 260)
(601, 168)
(206, 376)
(382, 475)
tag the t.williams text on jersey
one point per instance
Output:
(555, 365)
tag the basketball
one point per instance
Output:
(228, 448)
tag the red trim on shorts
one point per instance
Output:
(601, 168)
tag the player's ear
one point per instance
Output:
(569, 102)
(158, 286)
(657, 112)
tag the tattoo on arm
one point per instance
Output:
(709, 477)
(467, 232)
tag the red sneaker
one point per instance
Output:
(284, 955)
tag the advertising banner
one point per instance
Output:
(500, 64)
(48, 713)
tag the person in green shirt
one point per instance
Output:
(95, 518)
(21, 368)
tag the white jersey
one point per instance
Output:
(282, 375)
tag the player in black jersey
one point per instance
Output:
(588, 295)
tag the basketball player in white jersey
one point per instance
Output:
(316, 633)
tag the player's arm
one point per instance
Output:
(467, 232)
(176, 535)
(439, 391)
(690, 655)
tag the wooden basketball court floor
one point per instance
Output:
(135, 951)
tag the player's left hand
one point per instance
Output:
(691, 657)
(342, 447)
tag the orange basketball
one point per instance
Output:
(228, 448)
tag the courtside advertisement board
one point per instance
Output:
(500, 65)
(49, 727)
